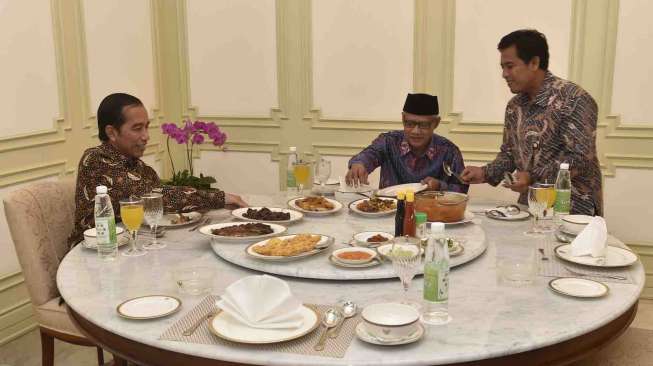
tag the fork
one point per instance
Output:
(449, 172)
(600, 275)
(202, 223)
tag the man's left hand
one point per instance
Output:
(522, 181)
(432, 183)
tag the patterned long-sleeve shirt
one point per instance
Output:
(399, 164)
(124, 177)
(558, 125)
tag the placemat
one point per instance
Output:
(555, 267)
(333, 348)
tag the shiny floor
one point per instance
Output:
(633, 348)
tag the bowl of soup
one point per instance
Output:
(442, 206)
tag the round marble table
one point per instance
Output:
(492, 324)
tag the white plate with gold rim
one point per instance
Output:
(208, 231)
(123, 239)
(373, 263)
(227, 327)
(171, 220)
(353, 206)
(337, 206)
(365, 336)
(239, 213)
(578, 287)
(149, 307)
(614, 257)
(323, 244)
(392, 190)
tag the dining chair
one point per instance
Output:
(40, 218)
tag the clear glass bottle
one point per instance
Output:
(562, 204)
(105, 225)
(290, 175)
(436, 278)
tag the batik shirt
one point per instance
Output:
(124, 177)
(558, 125)
(399, 164)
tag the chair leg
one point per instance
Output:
(47, 349)
(100, 356)
(117, 361)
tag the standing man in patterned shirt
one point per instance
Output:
(123, 129)
(549, 121)
(413, 155)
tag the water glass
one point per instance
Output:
(406, 260)
(540, 200)
(194, 280)
(322, 173)
(131, 212)
(153, 206)
(519, 266)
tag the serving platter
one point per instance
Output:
(207, 230)
(323, 244)
(295, 215)
(337, 206)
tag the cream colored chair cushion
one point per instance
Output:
(53, 316)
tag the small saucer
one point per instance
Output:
(336, 262)
(578, 287)
(363, 335)
(149, 307)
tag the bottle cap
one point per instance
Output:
(564, 166)
(401, 195)
(420, 218)
(293, 149)
(437, 227)
(101, 190)
(410, 195)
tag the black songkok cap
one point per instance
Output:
(421, 104)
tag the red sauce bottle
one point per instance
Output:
(409, 214)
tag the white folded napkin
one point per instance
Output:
(262, 302)
(592, 240)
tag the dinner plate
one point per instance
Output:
(469, 216)
(364, 335)
(516, 217)
(167, 219)
(324, 243)
(392, 190)
(123, 239)
(353, 204)
(294, 215)
(336, 262)
(227, 327)
(614, 257)
(578, 287)
(337, 206)
(206, 230)
(361, 238)
(149, 307)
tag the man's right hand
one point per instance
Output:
(357, 175)
(473, 175)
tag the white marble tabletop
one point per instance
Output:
(489, 319)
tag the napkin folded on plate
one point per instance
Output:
(262, 302)
(592, 240)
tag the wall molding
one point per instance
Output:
(16, 312)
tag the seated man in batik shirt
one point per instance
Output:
(123, 129)
(413, 155)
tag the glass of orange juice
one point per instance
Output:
(131, 212)
(302, 173)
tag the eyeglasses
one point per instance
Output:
(422, 125)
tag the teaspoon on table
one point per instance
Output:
(348, 310)
(330, 319)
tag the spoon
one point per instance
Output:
(544, 257)
(348, 309)
(449, 172)
(330, 319)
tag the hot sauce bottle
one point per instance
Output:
(409, 214)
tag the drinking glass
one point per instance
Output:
(302, 172)
(540, 199)
(131, 212)
(153, 212)
(406, 259)
(322, 173)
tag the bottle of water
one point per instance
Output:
(436, 278)
(105, 225)
(562, 204)
(290, 175)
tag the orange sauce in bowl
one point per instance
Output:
(354, 255)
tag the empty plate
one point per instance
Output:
(578, 287)
(149, 307)
(364, 335)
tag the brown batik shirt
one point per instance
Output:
(124, 177)
(558, 125)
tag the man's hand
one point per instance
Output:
(522, 181)
(357, 175)
(234, 200)
(473, 175)
(432, 183)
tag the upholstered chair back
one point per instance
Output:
(40, 218)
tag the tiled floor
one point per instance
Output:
(633, 348)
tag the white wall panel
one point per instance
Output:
(28, 93)
(628, 206)
(633, 74)
(362, 57)
(232, 56)
(240, 172)
(479, 91)
(119, 50)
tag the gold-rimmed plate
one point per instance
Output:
(172, 220)
(578, 287)
(353, 206)
(336, 262)
(208, 231)
(614, 257)
(324, 243)
(149, 307)
(239, 213)
(337, 206)
(225, 326)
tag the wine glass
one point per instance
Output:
(131, 212)
(540, 199)
(406, 258)
(322, 173)
(302, 172)
(153, 212)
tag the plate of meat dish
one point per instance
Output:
(289, 247)
(315, 205)
(267, 214)
(374, 207)
(172, 220)
(235, 232)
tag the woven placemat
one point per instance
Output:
(555, 267)
(333, 348)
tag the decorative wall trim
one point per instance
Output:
(32, 172)
(16, 313)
